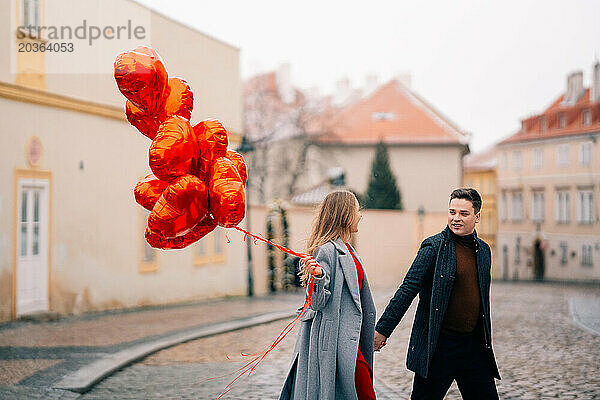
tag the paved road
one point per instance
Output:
(543, 353)
(34, 357)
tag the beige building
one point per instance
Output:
(549, 186)
(425, 148)
(332, 140)
(480, 174)
(387, 242)
(71, 234)
(338, 134)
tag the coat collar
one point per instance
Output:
(481, 267)
(349, 269)
(448, 236)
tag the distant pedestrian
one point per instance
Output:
(451, 336)
(333, 357)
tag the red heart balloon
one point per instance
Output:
(203, 228)
(227, 199)
(182, 205)
(142, 78)
(148, 191)
(173, 149)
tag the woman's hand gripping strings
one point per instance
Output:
(312, 266)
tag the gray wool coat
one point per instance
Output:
(340, 320)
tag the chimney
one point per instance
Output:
(574, 88)
(370, 85)
(342, 92)
(286, 91)
(595, 84)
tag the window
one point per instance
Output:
(585, 153)
(517, 207)
(149, 262)
(562, 121)
(562, 207)
(537, 206)
(563, 155)
(586, 256)
(210, 249)
(586, 118)
(543, 124)
(585, 206)
(504, 161)
(201, 248)
(30, 13)
(518, 251)
(538, 158)
(564, 250)
(503, 207)
(517, 160)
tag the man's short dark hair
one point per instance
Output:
(468, 194)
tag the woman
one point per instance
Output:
(333, 357)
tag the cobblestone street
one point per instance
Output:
(542, 353)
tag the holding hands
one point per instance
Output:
(380, 341)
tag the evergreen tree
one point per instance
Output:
(382, 192)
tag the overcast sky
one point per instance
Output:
(483, 64)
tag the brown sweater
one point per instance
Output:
(464, 304)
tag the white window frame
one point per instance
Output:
(562, 121)
(504, 207)
(537, 206)
(516, 211)
(585, 206)
(585, 153)
(562, 155)
(586, 116)
(587, 256)
(543, 124)
(564, 253)
(562, 207)
(537, 161)
(517, 160)
(32, 16)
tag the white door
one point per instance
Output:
(32, 246)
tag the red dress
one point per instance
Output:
(363, 377)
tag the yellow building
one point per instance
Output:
(71, 234)
(480, 174)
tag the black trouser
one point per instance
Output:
(462, 358)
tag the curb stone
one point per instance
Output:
(83, 379)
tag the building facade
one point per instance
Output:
(422, 145)
(326, 135)
(548, 188)
(480, 174)
(71, 234)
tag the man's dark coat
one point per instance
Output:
(431, 276)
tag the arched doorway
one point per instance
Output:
(538, 260)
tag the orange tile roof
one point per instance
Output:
(532, 127)
(404, 118)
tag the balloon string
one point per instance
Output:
(284, 249)
(257, 358)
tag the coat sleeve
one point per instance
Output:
(325, 256)
(408, 290)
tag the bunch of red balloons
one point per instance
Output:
(196, 182)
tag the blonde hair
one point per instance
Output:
(334, 219)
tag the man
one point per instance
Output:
(451, 336)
